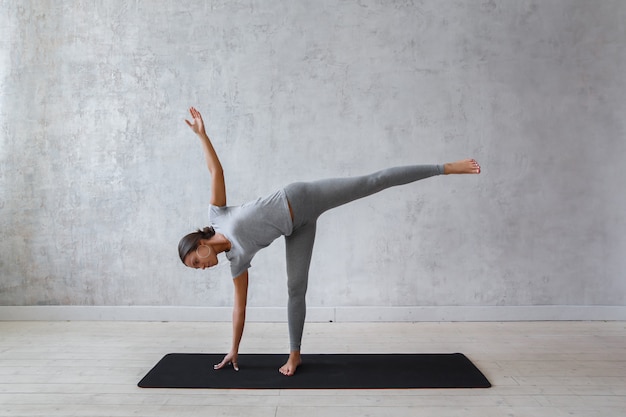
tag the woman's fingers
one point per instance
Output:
(196, 123)
(195, 113)
(224, 363)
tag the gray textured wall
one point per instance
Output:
(99, 176)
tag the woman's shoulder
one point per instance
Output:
(218, 211)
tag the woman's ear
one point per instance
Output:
(205, 242)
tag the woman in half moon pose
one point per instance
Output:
(241, 231)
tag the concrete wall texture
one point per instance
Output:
(100, 177)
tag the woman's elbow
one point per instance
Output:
(239, 311)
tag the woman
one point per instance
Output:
(242, 231)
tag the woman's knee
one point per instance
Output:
(296, 289)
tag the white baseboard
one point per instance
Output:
(316, 314)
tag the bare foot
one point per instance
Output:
(292, 364)
(465, 166)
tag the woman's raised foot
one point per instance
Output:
(464, 166)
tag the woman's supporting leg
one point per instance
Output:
(299, 249)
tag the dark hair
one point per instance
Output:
(191, 241)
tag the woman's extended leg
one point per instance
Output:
(310, 199)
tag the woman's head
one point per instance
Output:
(192, 242)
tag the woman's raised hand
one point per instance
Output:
(197, 125)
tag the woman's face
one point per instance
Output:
(203, 257)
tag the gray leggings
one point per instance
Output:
(308, 201)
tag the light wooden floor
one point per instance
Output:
(538, 369)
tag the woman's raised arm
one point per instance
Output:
(218, 186)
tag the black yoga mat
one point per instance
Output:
(337, 371)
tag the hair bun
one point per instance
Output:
(207, 231)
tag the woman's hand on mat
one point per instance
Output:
(228, 359)
(197, 125)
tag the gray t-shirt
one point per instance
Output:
(251, 227)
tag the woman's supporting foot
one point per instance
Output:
(292, 363)
(465, 166)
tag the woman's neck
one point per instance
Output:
(222, 244)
